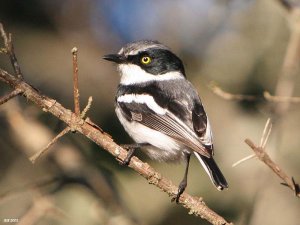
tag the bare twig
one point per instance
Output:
(37, 155)
(76, 106)
(75, 81)
(264, 157)
(195, 205)
(228, 96)
(272, 98)
(264, 139)
(266, 95)
(9, 96)
(9, 47)
(88, 106)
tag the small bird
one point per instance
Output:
(161, 110)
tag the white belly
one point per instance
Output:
(164, 148)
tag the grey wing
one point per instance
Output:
(201, 126)
(166, 123)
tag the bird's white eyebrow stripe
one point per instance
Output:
(142, 99)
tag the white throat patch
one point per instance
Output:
(133, 74)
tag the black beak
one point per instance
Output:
(114, 58)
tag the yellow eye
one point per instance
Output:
(145, 60)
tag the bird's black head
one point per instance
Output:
(151, 56)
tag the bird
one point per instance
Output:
(161, 110)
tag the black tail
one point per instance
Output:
(213, 171)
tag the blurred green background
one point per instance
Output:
(238, 44)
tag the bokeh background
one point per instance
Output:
(239, 45)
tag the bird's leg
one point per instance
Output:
(183, 183)
(131, 149)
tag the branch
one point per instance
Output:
(228, 96)
(265, 158)
(263, 142)
(260, 153)
(9, 96)
(75, 81)
(37, 155)
(88, 129)
(239, 97)
(195, 205)
(272, 98)
(9, 49)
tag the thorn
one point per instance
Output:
(88, 106)
(37, 155)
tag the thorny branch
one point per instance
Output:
(37, 155)
(263, 142)
(283, 93)
(195, 205)
(264, 157)
(260, 153)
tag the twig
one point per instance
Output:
(75, 81)
(195, 205)
(264, 157)
(9, 96)
(264, 139)
(37, 155)
(272, 98)
(228, 96)
(9, 47)
(88, 106)
(266, 95)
